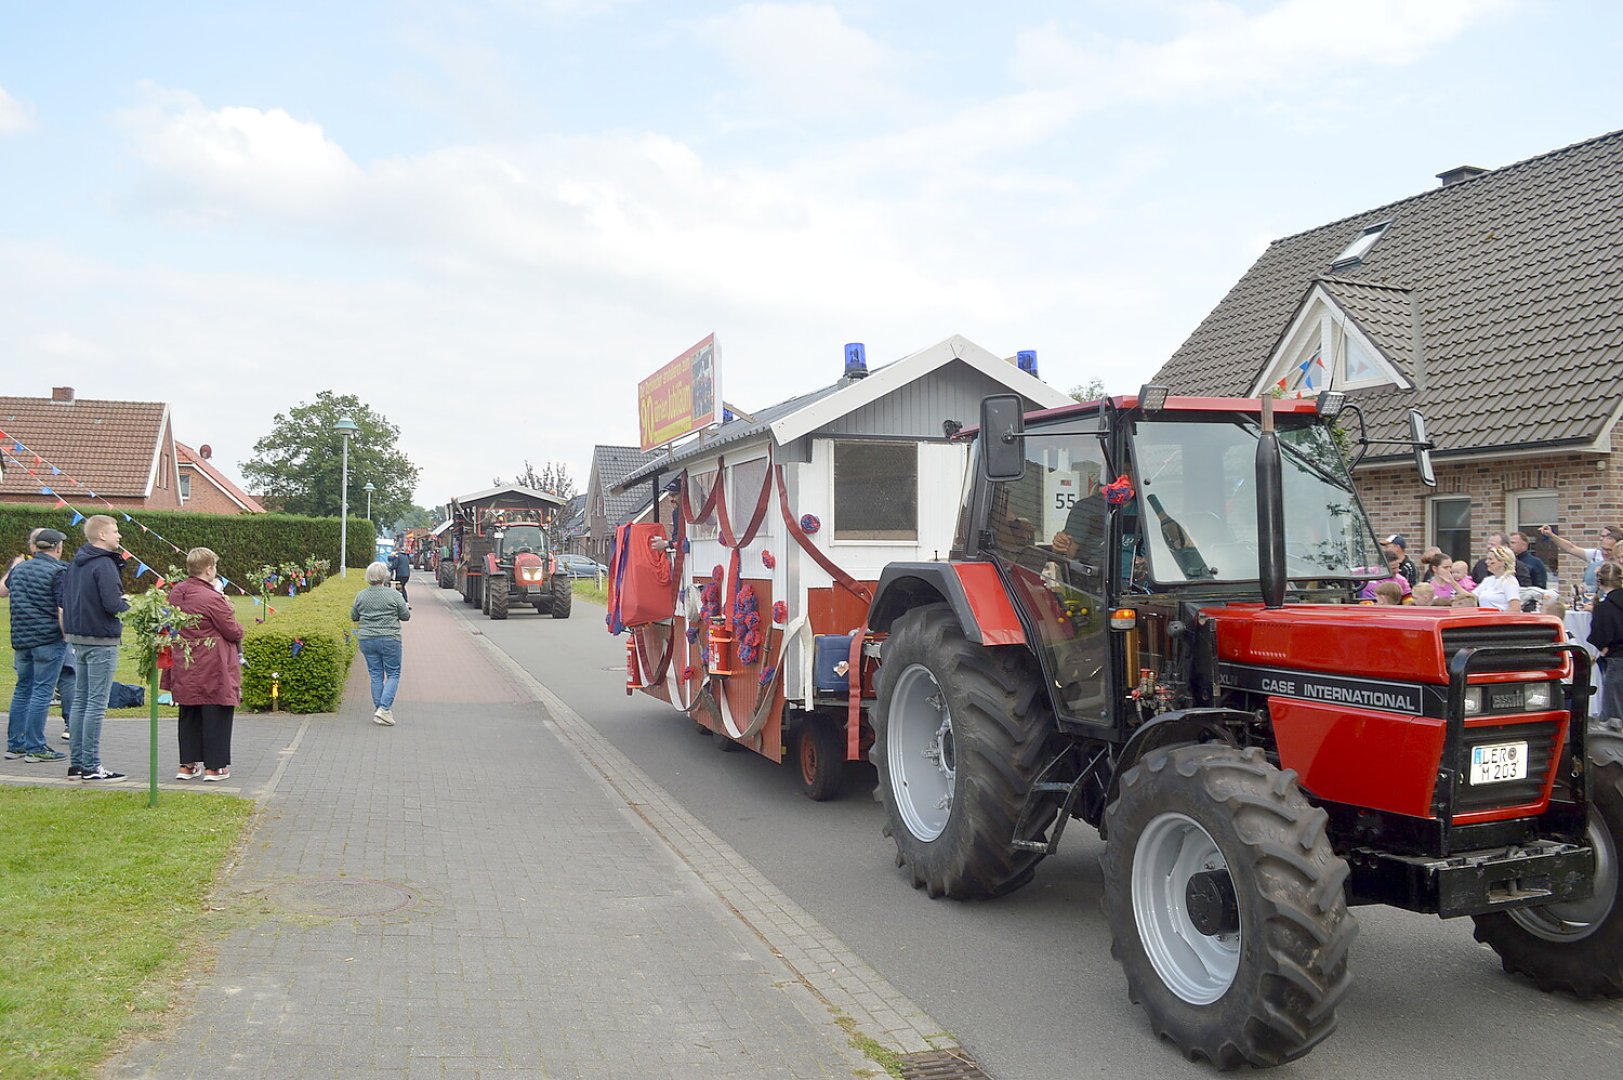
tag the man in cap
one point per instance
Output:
(1396, 545)
(35, 587)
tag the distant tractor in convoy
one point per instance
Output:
(500, 554)
(1095, 648)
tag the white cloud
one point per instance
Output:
(806, 60)
(1226, 49)
(15, 116)
(261, 158)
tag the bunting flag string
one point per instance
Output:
(79, 516)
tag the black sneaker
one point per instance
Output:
(34, 757)
(13, 755)
(103, 774)
(75, 773)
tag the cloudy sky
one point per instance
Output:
(490, 220)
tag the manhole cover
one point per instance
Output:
(341, 897)
(941, 1065)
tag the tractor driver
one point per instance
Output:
(1083, 538)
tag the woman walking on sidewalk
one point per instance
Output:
(206, 680)
(379, 610)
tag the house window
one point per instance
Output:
(1451, 526)
(185, 487)
(876, 491)
(1526, 511)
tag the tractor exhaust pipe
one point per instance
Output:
(1270, 511)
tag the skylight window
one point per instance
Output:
(1354, 253)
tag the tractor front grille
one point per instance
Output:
(1473, 637)
(1540, 739)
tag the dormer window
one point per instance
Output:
(1325, 349)
(1354, 252)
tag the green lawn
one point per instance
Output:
(103, 903)
(587, 589)
(247, 612)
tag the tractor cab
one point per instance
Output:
(1111, 517)
(523, 538)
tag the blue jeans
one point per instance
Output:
(37, 671)
(93, 684)
(383, 664)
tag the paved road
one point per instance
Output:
(1027, 982)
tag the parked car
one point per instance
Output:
(580, 566)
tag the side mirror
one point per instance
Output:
(1422, 448)
(1003, 437)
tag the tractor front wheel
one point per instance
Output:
(1575, 946)
(497, 588)
(1226, 905)
(820, 754)
(563, 596)
(961, 732)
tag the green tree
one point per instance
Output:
(299, 464)
(1092, 390)
(417, 517)
(553, 478)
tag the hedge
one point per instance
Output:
(310, 680)
(244, 542)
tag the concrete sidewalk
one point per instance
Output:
(470, 893)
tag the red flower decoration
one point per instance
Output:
(768, 559)
(780, 612)
(687, 673)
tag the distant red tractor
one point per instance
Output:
(502, 557)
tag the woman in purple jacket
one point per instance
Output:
(206, 680)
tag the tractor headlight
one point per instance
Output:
(1473, 701)
(1538, 696)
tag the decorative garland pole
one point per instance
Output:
(152, 732)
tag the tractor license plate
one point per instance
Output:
(532, 588)
(1496, 762)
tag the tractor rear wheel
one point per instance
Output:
(1576, 946)
(1226, 905)
(563, 596)
(820, 755)
(961, 732)
(497, 587)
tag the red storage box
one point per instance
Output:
(642, 587)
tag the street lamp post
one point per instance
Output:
(345, 428)
(369, 489)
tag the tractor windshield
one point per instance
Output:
(1196, 487)
(517, 538)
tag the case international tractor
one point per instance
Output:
(1149, 622)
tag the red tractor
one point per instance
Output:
(503, 557)
(1148, 622)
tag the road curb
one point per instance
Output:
(814, 955)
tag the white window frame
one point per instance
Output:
(1323, 325)
(1431, 518)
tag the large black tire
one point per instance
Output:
(960, 733)
(1577, 946)
(497, 587)
(819, 752)
(1226, 905)
(563, 596)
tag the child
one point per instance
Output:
(1423, 594)
(1388, 592)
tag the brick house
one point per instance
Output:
(1494, 305)
(206, 489)
(604, 509)
(123, 451)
